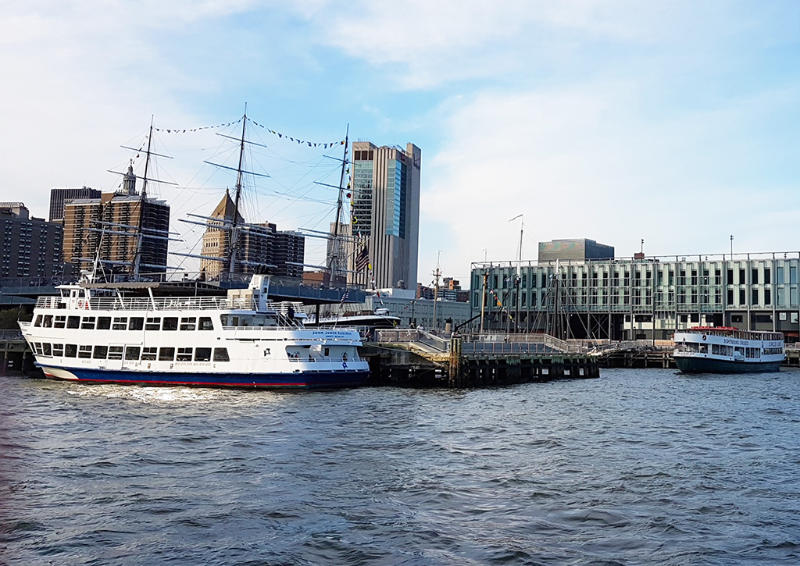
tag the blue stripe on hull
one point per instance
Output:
(316, 380)
(707, 365)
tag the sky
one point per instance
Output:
(673, 122)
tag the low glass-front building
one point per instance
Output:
(624, 299)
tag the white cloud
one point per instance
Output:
(585, 161)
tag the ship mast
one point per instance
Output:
(234, 232)
(137, 258)
(333, 260)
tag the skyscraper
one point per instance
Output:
(384, 220)
(261, 248)
(115, 217)
(29, 247)
(59, 196)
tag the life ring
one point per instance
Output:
(704, 336)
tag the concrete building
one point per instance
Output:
(384, 216)
(110, 217)
(29, 247)
(575, 249)
(60, 196)
(261, 248)
(646, 298)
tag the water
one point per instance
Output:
(639, 466)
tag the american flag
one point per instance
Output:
(363, 259)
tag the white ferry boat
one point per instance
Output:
(727, 350)
(236, 341)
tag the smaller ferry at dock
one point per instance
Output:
(708, 349)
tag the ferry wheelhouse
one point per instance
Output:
(236, 341)
(727, 350)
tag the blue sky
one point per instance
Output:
(676, 122)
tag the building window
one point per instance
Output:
(767, 296)
(766, 276)
(754, 297)
(754, 276)
(730, 296)
(730, 277)
(741, 276)
(742, 297)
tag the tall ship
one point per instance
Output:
(239, 340)
(728, 350)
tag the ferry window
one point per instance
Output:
(87, 323)
(149, 354)
(47, 321)
(132, 353)
(136, 323)
(184, 355)
(46, 350)
(188, 323)
(103, 322)
(73, 322)
(205, 323)
(70, 350)
(59, 322)
(119, 323)
(202, 354)
(38, 321)
(754, 276)
(115, 352)
(170, 323)
(85, 352)
(152, 324)
(58, 350)
(221, 355)
(166, 354)
(100, 352)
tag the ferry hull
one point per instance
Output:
(314, 380)
(707, 365)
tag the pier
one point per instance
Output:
(415, 358)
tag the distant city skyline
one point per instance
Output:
(675, 122)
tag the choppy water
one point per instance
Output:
(640, 466)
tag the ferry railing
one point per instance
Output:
(148, 304)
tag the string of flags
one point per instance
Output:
(298, 140)
(184, 130)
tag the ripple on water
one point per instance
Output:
(636, 467)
